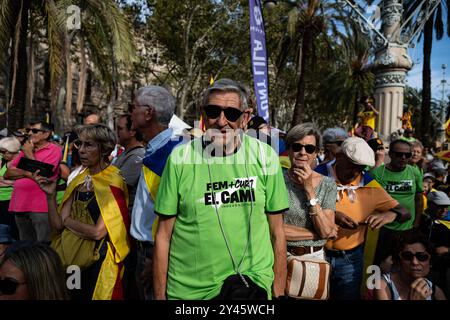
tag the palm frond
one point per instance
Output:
(119, 28)
(6, 25)
(55, 14)
(96, 40)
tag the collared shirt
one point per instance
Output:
(27, 196)
(365, 202)
(143, 215)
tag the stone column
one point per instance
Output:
(390, 68)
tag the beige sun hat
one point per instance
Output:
(358, 151)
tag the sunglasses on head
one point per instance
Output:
(309, 148)
(34, 130)
(407, 155)
(9, 286)
(408, 256)
(213, 112)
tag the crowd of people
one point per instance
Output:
(241, 211)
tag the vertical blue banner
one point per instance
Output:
(259, 58)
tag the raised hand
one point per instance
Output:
(420, 290)
(303, 174)
(47, 185)
(28, 148)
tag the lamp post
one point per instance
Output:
(390, 67)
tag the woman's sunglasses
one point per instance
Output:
(213, 112)
(9, 286)
(421, 256)
(309, 148)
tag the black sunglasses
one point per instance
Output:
(9, 286)
(407, 155)
(213, 112)
(34, 130)
(408, 256)
(309, 148)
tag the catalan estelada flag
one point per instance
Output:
(111, 194)
(152, 169)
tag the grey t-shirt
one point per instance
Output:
(130, 164)
(298, 213)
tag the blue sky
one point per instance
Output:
(440, 54)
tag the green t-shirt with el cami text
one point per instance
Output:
(199, 261)
(402, 186)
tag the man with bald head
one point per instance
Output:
(92, 119)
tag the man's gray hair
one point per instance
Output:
(227, 85)
(332, 134)
(160, 99)
(300, 131)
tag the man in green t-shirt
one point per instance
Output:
(405, 184)
(219, 203)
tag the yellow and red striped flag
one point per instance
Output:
(111, 194)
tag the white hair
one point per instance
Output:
(158, 98)
(10, 144)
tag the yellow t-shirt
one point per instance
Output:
(368, 119)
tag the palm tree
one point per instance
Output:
(310, 23)
(105, 36)
(351, 78)
(14, 21)
(434, 24)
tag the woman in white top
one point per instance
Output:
(408, 279)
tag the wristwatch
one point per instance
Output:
(313, 202)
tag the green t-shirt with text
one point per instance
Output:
(5, 192)
(402, 186)
(199, 261)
